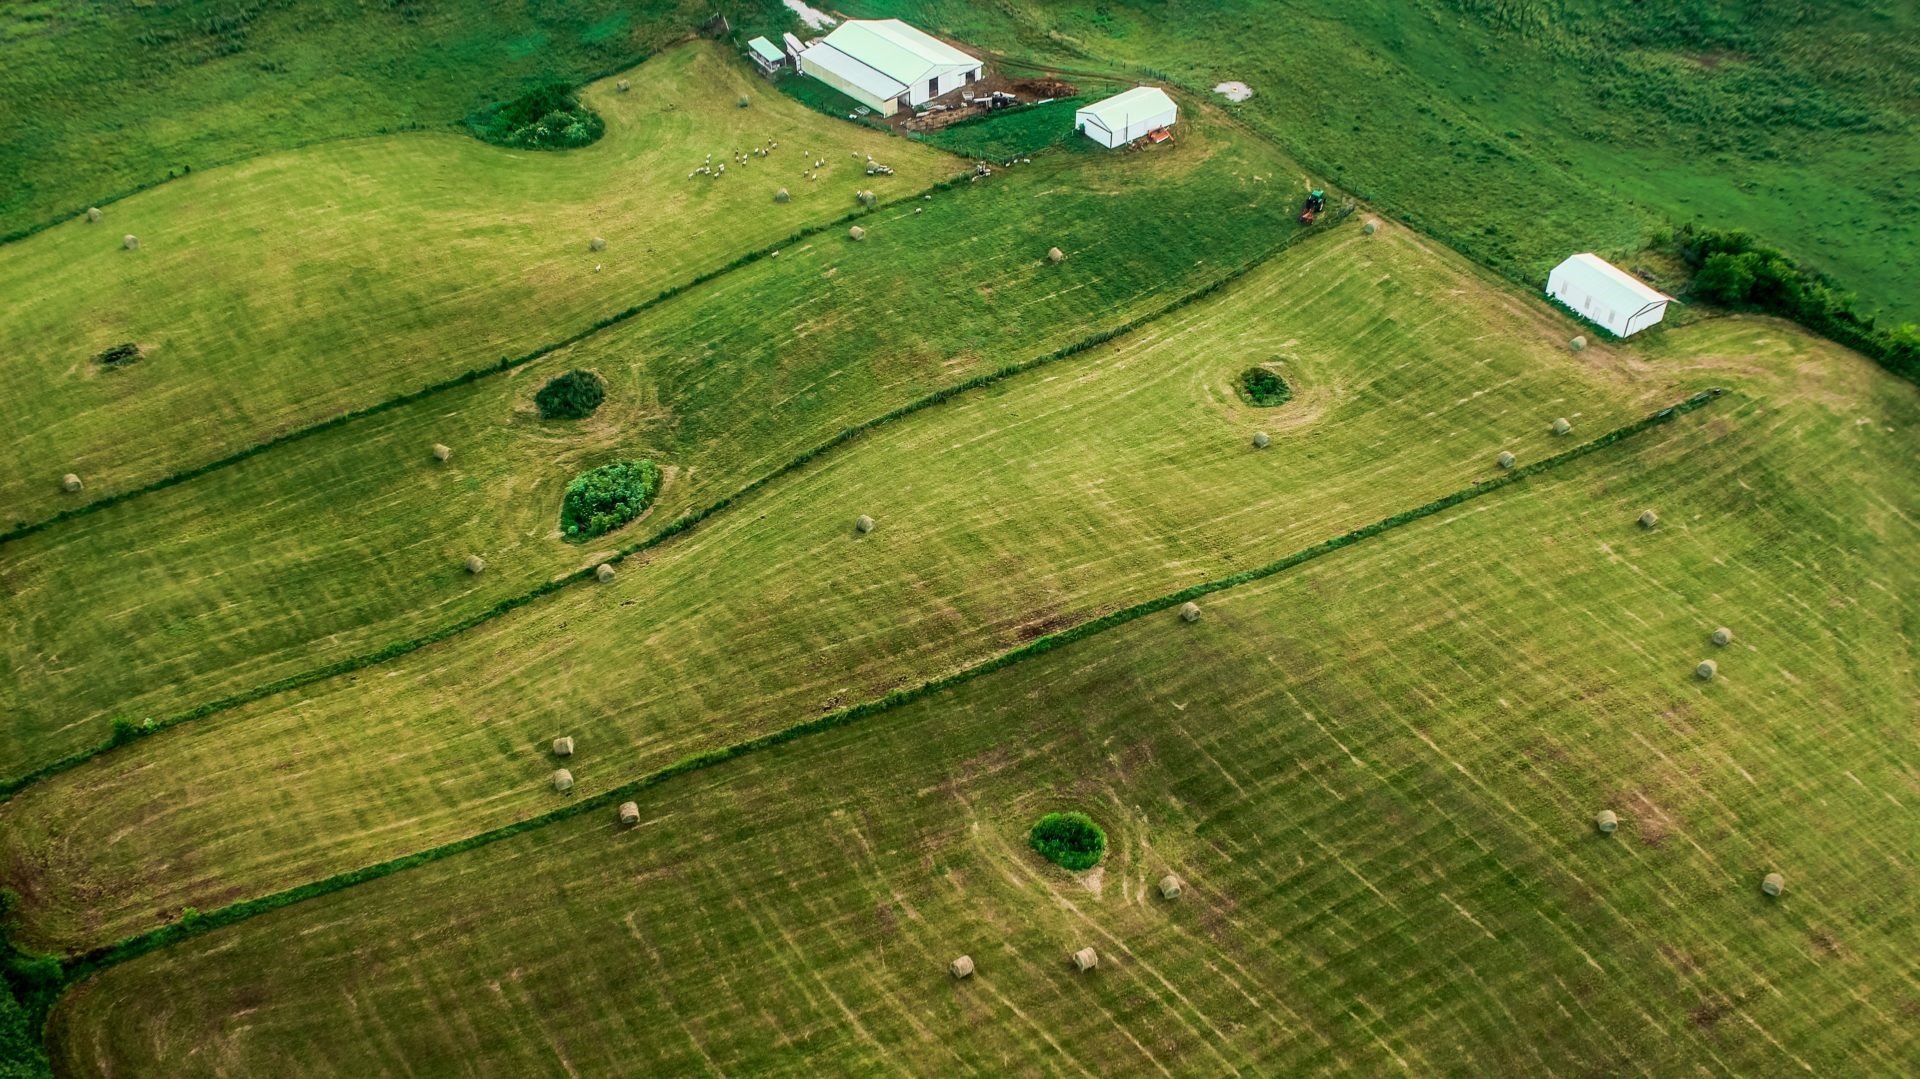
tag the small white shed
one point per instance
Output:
(1608, 295)
(1125, 117)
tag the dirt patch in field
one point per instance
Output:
(1233, 90)
(953, 108)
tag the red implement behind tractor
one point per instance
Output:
(1316, 201)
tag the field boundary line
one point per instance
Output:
(683, 523)
(194, 923)
(472, 374)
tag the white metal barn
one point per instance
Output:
(1607, 294)
(1125, 117)
(885, 64)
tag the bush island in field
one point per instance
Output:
(1069, 840)
(572, 396)
(546, 117)
(607, 497)
(1264, 388)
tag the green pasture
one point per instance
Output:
(1526, 130)
(1376, 777)
(291, 287)
(1042, 501)
(340, 543)
(101, 99)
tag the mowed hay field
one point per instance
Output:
(343, 542)
(289, 288)
(1045, 500)
(1376, 775)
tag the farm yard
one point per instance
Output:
(609, 581)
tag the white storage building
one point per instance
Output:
(1608, 295)
(1125, 117)
(885, 64)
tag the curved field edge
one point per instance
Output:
(680, 525)
(140, 944)
(286, 290)
(1333, 822)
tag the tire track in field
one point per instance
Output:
(79, 967)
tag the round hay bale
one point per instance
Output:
(1722, 636)
(1706, 670)
(1773, 884)
(629, 813)
(476, 564)
(1505, 459)
(1562, 427)
(623, 86)
(857, 232)
(1086, 959)
(781, 195)
(865, 198)
(1170, 887)
(744, 101)
(863, 524)
(603, 573)
(93, 214)
(1370, 227)
(1189, 611)
(129, 241)
(70, 483)
(1648, 518)
(597, 244)
(442, 452)
(562, 780)
(1606, 821)
(1261, 441)
(961, 967)
(1054, 254)
(563, 746)
(1577, 344)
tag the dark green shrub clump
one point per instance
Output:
(572, 396)
(1069, 840)
(607, 497)
(546, 117)
(1264, 388)
(126, 352)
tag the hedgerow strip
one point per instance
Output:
(681, 524)
(139, 944)
(507, 363)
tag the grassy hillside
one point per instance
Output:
(1045, 500)
(104, 97)
(295, 286)
(342, 543)
(1524, 130)
(1376, 775)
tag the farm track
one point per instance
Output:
(88, 963)
(680, 525)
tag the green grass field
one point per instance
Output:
(1373, 752)
(190, 85)
(1526, 130)
(298, 285)
(1376, 776)
(1048, 499)
(338, 544)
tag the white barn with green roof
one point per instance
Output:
(885, 64)
(1127, 116)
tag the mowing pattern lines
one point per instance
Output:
(1074, 490)
(276, 292)
(354, 538)
(1422, 734)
